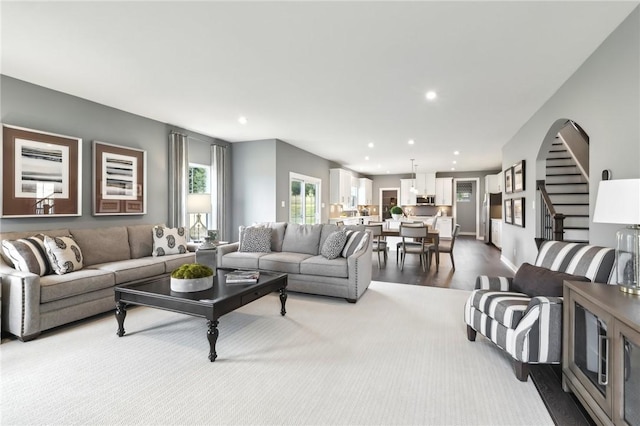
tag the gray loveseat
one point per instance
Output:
(295, 250)
(112, 256)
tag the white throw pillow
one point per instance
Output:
(169, 240)
(64, 254)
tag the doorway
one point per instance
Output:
(466, 208)
(388, 198)
(304, 199)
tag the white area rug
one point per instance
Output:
(398, 356)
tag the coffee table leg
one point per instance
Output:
(212, 335)
(121, 313)
(283, 300)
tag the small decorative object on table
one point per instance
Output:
(191, 277)
(210, 241)
(241, 276)
(396, 212)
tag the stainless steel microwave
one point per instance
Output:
(426, 200)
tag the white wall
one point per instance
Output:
(602, 96)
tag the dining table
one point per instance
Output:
(432, 233)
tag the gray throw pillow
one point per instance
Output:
(256, 239)
(334, 244)
(536, 281)
(355, 241)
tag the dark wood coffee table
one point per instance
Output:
(210, 304)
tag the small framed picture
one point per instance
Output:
(508, 180)
(518, 177)
(518, 212)
(508, 210)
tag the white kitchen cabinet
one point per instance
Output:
(430, 184)
(340, 188)
(496, 232)
(365, 192)
(407, 198)
(444, 191)
(493, 183)
(444, 225)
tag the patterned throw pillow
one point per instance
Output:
(28, 255)
(256, 239)
(355, 241)
(169, 240)
(64, 254)
(334, 244)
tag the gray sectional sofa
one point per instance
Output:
(295, 250)
(112, 256)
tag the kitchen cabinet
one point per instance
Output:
(496, 232)
(365, 192)
(444, 225)
(430, 184)
(407, 198)
(340, 191)
(493, 183)
(444, 191)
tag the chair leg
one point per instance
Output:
(522, 370)
(378, 259)
(402, 256)
(471, 334)
(453, 263)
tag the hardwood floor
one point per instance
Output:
(474, 257)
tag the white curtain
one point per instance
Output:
(178, 179)
(219, 178)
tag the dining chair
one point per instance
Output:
(415, 224)
(379, 243)
(419, 245)
(446, 246)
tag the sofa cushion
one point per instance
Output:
(174, 261)
(133, 269)
(56, 287)
(536, 281)
(282, 262)
(327, 230)
(28, 255)
(506, 307)
(321, 266)
(333, 245)
(256, 239)
(169, 240)
(302, 238)
(277, 233)
(355, 241)
(113, 244)
(241, 260)
(64, 254)
(140, 240)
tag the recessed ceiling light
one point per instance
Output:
(387, 171)
(242, 120)
(453, 168)
(370, 145)
(455, 162)
(366, 158)
(456, 152)
(431, 95)
(411, 142)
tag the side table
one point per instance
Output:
(207, 257)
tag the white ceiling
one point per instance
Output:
(328, 77)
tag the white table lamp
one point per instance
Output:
(618, 201)
(198, 204)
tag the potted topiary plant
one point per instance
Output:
(192, 277)
(396, 212)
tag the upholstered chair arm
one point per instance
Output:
(224, 249)
(484, 282)
(359, 269)
(20, 302)
(538, 336)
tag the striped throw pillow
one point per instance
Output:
(28, 255)
(355, 241)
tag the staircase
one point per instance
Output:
(568, 190)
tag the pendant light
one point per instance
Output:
(413, 177)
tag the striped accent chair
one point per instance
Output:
(530, 328)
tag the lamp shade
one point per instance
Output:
(199, 203)
(618, 201)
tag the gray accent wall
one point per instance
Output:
(603, 97)
(35, 107)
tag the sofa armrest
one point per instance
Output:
(225, 249)
(484, 282)
(20, 303)
(359, 266)
(538, 336)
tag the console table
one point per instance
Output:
(601, 351)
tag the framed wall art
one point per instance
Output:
(508, 180)
(518, 177)
(508, 210)
(119, 180)
(41, 173)
(518, 211)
